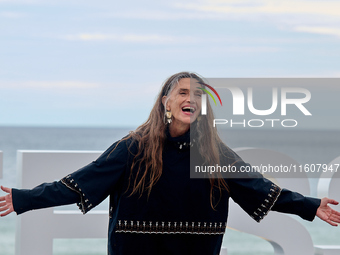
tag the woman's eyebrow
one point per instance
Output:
(183, 90)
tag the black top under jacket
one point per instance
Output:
(177, 217)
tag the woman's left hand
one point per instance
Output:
(326, 213)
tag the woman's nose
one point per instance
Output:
(191, 98)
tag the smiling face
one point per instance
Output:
(184, 102)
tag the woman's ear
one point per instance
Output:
(164, 99)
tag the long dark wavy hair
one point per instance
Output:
(151, 135)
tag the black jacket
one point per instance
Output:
(177, 217)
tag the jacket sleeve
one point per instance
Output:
(257, 195)
(87, 187)
(43, 196)
(295, 203)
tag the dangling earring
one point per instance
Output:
(167, 117)
(198, 120)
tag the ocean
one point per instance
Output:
(305, 146)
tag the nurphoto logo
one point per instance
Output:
(204, 97)
(243, 101)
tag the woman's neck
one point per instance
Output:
(178, 130)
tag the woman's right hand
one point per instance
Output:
(6, 202)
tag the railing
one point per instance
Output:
(36, 230)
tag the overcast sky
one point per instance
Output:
(101, 63)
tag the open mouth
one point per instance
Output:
(188, 109)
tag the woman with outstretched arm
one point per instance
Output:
(155, 207)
